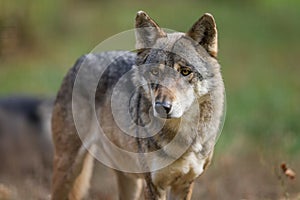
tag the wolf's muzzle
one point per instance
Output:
(163, 108)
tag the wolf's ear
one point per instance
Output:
(204, 31)
(147, 31)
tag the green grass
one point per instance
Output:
(259, 49)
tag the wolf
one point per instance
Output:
(165, 99)
(25, 127)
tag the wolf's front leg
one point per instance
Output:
(130, 188)
(181, 192)
(153, 192)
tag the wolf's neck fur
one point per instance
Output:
(211, 113)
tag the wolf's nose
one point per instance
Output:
(163, 108)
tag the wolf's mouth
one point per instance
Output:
(164, 117)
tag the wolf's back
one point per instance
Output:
(103, 69)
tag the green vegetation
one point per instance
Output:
(259, 48)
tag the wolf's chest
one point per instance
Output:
(182, 171)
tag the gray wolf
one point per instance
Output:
(25, 146)
(175, 84)
(27, 112)
(35, 111)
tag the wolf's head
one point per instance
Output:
(176, 69)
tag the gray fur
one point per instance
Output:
(176, 72)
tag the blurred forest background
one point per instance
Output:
(259, 53)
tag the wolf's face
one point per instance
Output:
(176, 69)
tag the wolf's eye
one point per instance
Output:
(185, 71)
(154, 71)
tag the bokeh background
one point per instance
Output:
(259, 53)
